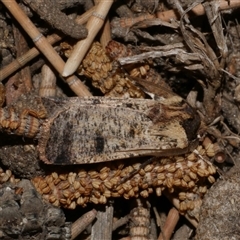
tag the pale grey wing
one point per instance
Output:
(95, 134)
(98, 133)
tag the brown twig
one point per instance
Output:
(170, 224)
(94, 25)
(120, 222)
(33, 52)
(43, 45)
(176, 204)
(22, 46)
(79, 225)
(105, 33)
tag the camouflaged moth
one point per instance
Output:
(99, 129)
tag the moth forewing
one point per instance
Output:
(95, 129)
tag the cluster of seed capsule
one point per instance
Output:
(7, 176)
(105, 73)
(22, 118)
(178, 175)
(23, 124)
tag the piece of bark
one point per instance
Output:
(102, 228)
(49, 11)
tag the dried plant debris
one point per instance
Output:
(157, 47)
(188, 173)
(24, 215)
(219, 215)
(104, 75)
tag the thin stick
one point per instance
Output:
(175, 202)
(22, 46)
(105, 33)
(94, 25)
(34, 52)
(170, 224)
(80, 224)
(42, 44)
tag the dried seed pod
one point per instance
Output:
(48, 83)
(82, 186)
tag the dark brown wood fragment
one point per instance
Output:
(49, 11)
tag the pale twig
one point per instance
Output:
(170, 224)
(79, 225)
(94, 25)
(32, 53)
(44, 46)
(105, 32)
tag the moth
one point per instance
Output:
(99, 129)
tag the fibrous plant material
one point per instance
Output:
(188, 173)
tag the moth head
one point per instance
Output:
(192, 123)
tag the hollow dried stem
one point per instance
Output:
(80, 224)
(170, 224)
(176, 204)
(44, 46)
(94, 25)
(106, 34)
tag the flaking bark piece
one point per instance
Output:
(220, 210)
(49, 11)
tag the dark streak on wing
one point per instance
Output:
(99, 144)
